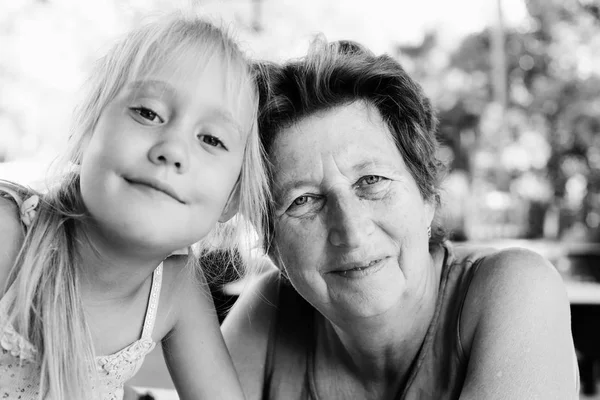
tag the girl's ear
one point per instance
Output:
(232, 205)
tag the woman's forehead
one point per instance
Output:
(356, 129)
(349, 139)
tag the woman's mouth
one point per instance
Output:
(359, 271)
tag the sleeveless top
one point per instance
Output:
(439, 369)
(20, 375)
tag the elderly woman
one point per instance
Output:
(369, 301)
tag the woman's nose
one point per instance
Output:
(349, 222)
(170, 151)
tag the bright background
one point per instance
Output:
(516, 83)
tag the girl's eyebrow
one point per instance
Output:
(226, 117)
(162, 87)
(153, 85)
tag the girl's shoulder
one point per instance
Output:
(12, 234)
(181, 287)
(172, 282)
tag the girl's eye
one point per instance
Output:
(212, 141)
(371, 179)
(148, 114)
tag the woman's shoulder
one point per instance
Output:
(515, 310)
(512, 272)
(247, 330)
(509, 269)
(256, 305)
(509, 285)
(501, 267)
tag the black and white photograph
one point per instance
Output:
(300, 200)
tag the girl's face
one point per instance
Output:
(165, 155)
(350, 222)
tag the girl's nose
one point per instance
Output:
(349, 222)
(171, 152)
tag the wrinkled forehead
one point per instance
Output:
(323, 125)
(353, 137)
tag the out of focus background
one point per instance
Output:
(516, 84)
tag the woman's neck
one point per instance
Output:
(382, 349)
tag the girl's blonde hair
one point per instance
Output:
(46, 307)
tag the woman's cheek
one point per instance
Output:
(296, 243)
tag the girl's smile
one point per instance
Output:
(154, 185)
(167, 135)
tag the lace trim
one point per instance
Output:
(16, 344)
(129, 354)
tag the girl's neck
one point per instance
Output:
(112, 271)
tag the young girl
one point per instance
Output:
(164, 147)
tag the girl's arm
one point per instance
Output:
(11, 237)
(516, 331)
(246, 331)
(194, 350)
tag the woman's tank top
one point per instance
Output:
(438, 371)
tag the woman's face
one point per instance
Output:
(350, 222)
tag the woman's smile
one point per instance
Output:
(360, 270)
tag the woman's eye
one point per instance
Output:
(148, 114)
(300, 201)
(212, 141)
(371, 179)
(307, 204)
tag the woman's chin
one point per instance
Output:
(363, 294)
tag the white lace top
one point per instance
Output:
(19, 375)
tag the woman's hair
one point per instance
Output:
(47, 308)
(337, 74)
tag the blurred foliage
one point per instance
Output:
(543, 147)
(534, 156)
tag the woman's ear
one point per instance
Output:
(232, 205)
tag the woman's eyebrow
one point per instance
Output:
(365, 165)
(283, 189)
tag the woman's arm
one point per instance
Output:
(246, 330)
(516, 331)
(194, 350)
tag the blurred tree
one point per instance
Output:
(552, 122)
